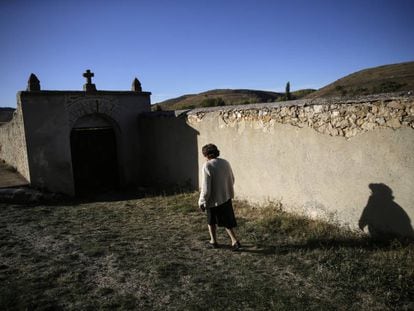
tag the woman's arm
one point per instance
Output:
(205, 188)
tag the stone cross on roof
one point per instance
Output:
(88, 75)
(33, 84)
(89, 86)
(136, 86)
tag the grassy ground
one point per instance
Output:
(150, 253)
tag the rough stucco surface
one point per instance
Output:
(13, 143)
(170, 155)
(317, 157)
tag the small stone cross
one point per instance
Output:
(88, 75)
(89, 86)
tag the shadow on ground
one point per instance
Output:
(365, 243)
(31, 196)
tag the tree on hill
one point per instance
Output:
(288, 96)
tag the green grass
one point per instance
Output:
(150, 254)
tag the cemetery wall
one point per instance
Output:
(13, 143)
(320, 158)
(169, 151)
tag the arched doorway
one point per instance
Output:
(94, 155)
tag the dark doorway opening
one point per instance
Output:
(94, 160)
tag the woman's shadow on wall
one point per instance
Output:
(384, 218)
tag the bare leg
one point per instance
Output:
(212, 229)
(232, 235)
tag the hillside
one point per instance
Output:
(223, 97)
(6, 114)
(382, 79)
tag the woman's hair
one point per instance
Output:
(210, 151)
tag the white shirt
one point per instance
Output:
(217, 185)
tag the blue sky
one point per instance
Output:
(182, 47)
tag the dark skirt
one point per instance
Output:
(222, 215)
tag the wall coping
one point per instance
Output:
(80, 93)
(385, 97)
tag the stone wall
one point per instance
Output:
(333, 117)
(13, 143)
(321, 158)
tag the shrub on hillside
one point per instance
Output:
(387, 87)
(213, 102)
(188, 107)
(340, 89)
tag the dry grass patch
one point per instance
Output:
(150, 253)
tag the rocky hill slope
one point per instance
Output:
(224, 97)
(382, 79)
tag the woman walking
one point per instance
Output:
(216, 194)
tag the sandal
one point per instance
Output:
(212, 245)
(236, 246)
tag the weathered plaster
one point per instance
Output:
(13, 143)
(317, 157)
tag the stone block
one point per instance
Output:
(395, 105)
(374, 109)
(394, 123)
(380, 121)
(317, 108)
(368, 126)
